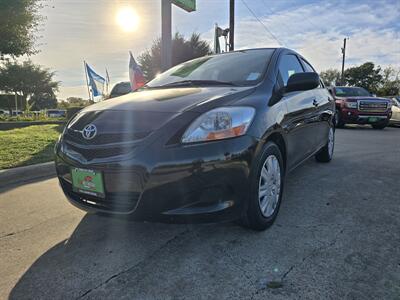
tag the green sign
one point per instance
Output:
(188, 5)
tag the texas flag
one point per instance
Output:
(135, 74)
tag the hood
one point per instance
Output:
(172, 100)
(136, 115)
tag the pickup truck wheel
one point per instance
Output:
(338, 122)
(266, 189)
(379, 125)
(326, 153)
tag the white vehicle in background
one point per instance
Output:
(4, 112)
(395, 119)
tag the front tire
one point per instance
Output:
(380, 125)
(265, 197)
(326, 153)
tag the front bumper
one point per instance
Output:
(205, 182)
(354, 116)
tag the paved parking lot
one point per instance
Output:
(337, 236)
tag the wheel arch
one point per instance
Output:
(278, 138)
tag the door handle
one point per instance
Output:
(315, 102)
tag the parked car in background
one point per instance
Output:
(355, 105)
(120, 89)
(395, 120)
(211, 139)
(56, 113)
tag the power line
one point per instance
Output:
(265, 27)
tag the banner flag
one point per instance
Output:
(95, 82)
(136, 76)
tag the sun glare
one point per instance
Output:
(127, 19)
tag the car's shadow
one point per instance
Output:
(98, 248)
(101, 249)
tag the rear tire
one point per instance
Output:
(338, 120)
(267, 178)
(326, 153)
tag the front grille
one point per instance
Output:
(372, 106)
(105, 138)
(113, 202)
(92, 153)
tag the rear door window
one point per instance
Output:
(289, 65)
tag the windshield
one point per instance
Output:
(239, 68)
(351, 92)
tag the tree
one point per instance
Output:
(74, 102)
(77, 101)
(28, 80)
(366, 76)
(19, 20)
(390, 82)
(182, 50)
(330, 77)
(43, 101)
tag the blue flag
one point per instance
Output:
(95, 81)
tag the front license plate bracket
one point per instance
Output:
(88, 182)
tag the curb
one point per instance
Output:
(27, 173)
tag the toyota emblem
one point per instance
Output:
(89, 131)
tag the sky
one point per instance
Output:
(78, 30)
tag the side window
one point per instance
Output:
(308, 67)
(288, 66)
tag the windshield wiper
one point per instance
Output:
(198, 83)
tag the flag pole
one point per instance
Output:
(107, 80)
(87, 82)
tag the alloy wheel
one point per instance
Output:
(269, 188)
(331, 141)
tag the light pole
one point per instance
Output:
(343, 60)
(231, 25)
(166, 35)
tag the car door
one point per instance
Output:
(323, 102)
(299, 122)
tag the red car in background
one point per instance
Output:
(355, 105)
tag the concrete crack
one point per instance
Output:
(313, 253)
(153, 254)
(29, 228)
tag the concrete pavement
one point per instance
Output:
(336, 236)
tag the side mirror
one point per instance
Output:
(302, 82)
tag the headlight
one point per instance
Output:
(219, 123)
(350, 104)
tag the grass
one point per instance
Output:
(29, 145)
